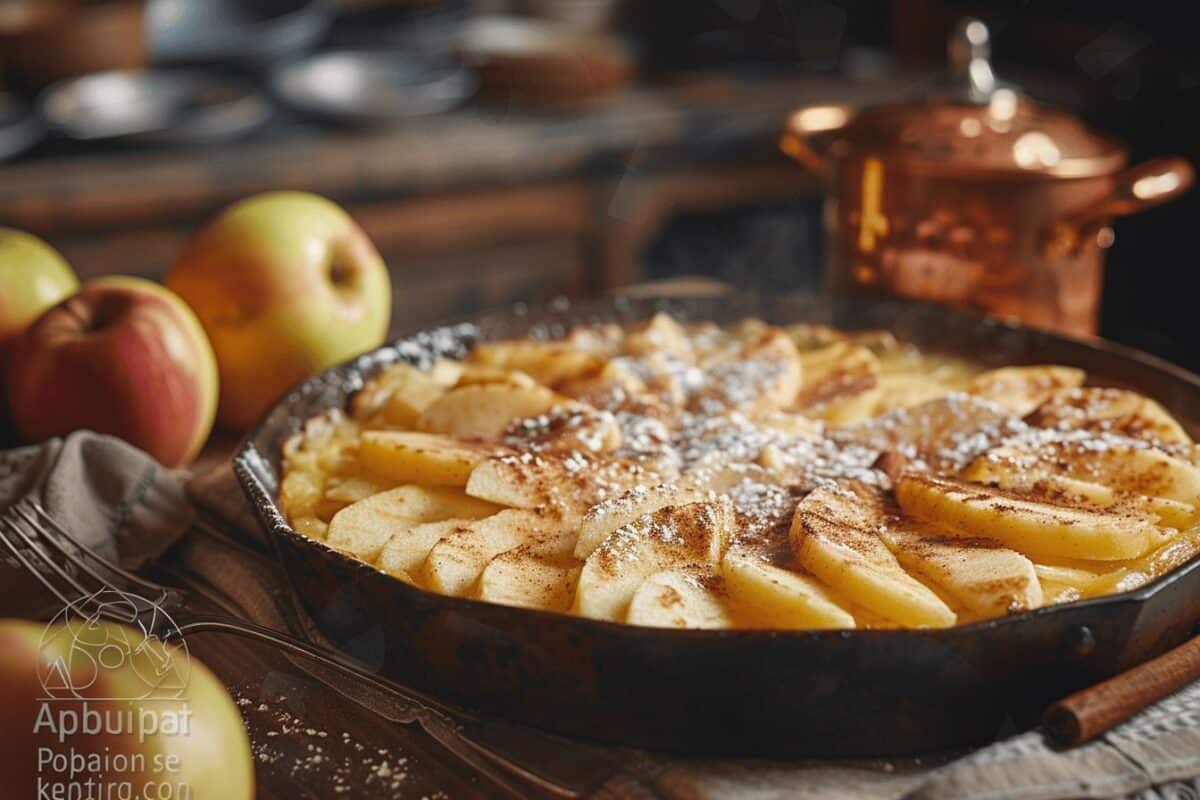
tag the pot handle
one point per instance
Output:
(805, 136)
(1137, 188)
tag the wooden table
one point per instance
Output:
(310, 742)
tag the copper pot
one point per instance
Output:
(975, 196)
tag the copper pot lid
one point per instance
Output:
(975, 125)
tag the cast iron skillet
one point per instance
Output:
(762, 693)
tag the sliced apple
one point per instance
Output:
(311, 527)
(941, 434)
(1023, 389)
(1128, 468)
(1109, 410)
(406, 549)
(679, 598)
(661, 335)
(898, 391)
(606, 516)
(548, 363)
(528, 578)
(398, 395)
(762, 376)
(1039, 481)
(568, 426)
(671, 537)
(980, 575)
(446, 372)
(1055, 593)
(1068, 576)
(790, 423)
(412, 457)
(835, 537)
(840, 383)
(766, 596)
(570, 483)
(299, 493)
(1039, 529)
(1177, 551)
(351, 489)
(364, 527)
(481, 374)
(484, 410)
(455, 563)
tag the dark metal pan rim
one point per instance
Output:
(248, 454)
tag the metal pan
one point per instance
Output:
(760, 693)
(371, 86)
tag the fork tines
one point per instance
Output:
(72, 571)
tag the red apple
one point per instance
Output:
(285, 284)
(33, 277)
(190, 743)
(125, 357)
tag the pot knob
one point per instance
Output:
(970, 51)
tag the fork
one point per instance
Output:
(37, 541)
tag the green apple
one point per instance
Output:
(123, 356)
(192, 743)
(286, 284)
(33, 277)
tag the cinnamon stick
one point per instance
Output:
(1092, 711)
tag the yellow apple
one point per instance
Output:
(286, 284)
(123, 356)
(33, 277)
(191, 744)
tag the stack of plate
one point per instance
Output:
(163, 105)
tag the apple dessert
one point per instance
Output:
(688, 475)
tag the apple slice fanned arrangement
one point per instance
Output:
(693, 476)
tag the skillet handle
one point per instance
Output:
(805, 136)
(1093, 711)
(1137, 188)
(1145, 185)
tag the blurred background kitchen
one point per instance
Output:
(515, 150)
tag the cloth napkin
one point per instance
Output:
(116, 498)
(110, 496)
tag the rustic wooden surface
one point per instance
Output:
(307, 740)
(310, 742)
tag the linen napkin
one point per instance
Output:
(109, 495)
(117, 499)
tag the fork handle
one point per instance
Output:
(434, 718)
